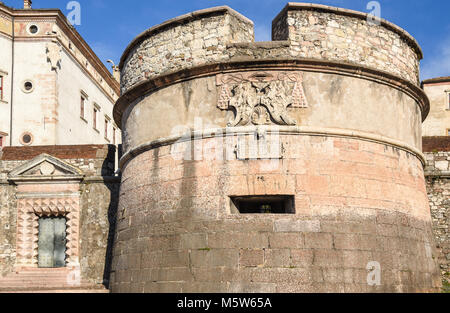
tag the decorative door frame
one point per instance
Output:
(46, 186)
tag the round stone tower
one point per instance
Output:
(286, 166)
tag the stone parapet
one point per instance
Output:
(324, 32)
(189, 40)
(307, 32)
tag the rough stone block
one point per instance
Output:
(318, 240)
(291, 225)
(277, 258)
(286, 240)
(251, 258)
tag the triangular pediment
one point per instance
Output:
(45, 167)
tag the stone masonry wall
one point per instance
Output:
(356, 202)
(437, 173)
(184, 42)
(8, 221)
(328, 35)
(99, 194)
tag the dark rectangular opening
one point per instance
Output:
(263, 204)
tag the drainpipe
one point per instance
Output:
(12, 87)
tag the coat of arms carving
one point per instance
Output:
(261, 98)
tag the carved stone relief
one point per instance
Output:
(53, 50)
(261, 98)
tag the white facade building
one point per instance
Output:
(54, 90)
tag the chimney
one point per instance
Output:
(27, 4)
(116, 71)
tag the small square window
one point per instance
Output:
(263, 205)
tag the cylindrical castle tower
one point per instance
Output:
(286, 166)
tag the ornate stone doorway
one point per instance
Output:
(48, 213)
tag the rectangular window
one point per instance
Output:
(448, 100)
(1, 87)
(106, 127)
(94, 117)
(1, 142)
(82, 106)
(114, 135)
(448, 132)
(263, 205)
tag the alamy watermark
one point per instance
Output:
(374, 16)
(74, 15)
(74, 277)
(257, 143)
(374, 275)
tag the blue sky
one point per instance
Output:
(109, 25)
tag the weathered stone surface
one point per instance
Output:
(201, 39)
(438, 186)
(332, 36)
(326, 245)
(221, 34)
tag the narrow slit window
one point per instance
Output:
(82, 106)
(114, 135)
(1, 87)
(448, 100)
(94, 117)
(106, 127)
(263, 205)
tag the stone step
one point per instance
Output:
(85, 289)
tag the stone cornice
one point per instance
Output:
(179, 21)
(70, 31)
(308, 65)
(436, 174)
(291, 6)
(281, 130)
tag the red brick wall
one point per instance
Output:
(61, 152)
(434, 144)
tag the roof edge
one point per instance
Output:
(443, 79)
